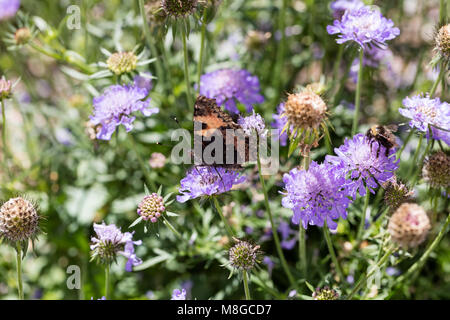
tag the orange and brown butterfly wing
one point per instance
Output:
(209, 117)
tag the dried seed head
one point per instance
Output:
(179, 8)
(22, 36)
(409, 225)
(122, 62)
(443, 41)
(396, 193)
(19, 220)
(243, 255)
(436, 170)
(326, 293)
(5, 88)
(151, 207)
(305, 110)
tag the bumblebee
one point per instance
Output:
(384, 136)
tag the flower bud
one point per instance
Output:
(22, 36)
(396, 193)
(19, 220)
(409, 225)
(326, 293)
(436, 170)
(122, 62)
(5, 89)
(151, 207)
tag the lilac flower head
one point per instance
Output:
(8, 8)
(424, 111)
(115, 107)
(179, 294)
(366, 26)
(279, 122)
(253, 123)
(363, 162)
(316, 195)
(288, 236)
(269, 263)
(228, 86)
(144, 82)
(207, 181)
(340, 6)
(110, 241)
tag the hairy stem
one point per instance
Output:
(326, 233)
(358, 93)
(19, 270)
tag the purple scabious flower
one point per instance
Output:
(279, 122)
(115, 106)
(178, 294)
(363, 162)
(207, 181)
(424, 111)
(253, 123)
(8, 8)
(269, 263)
(366, 26)
(340, 6)
(228, 86)
(316, 195)
(144, 81)
(110, 241)
(288, 236)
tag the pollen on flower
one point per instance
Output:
(325, 293)
(122, 62)
(151, 207)
(5, 88)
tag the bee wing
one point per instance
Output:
(392, 127)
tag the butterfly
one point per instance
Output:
(210, 124)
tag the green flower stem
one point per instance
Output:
(362, 280)
(337, 64)
(362, 223)
(224, 220)
(149, 40)
(419, 166)
(107, 279)
(19, 270)
(280, 49)
(5, 146)
(399, 154)
(358, 93)
(186, 69)
(246, 289)
(171, 227)
(421, 262)
(442, 11)
(272, 224)
(302, 233)
(144, 168)
(416, 155)
(202, 47)
(62, 58)
(326, 233)
(436, 83)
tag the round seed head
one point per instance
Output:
(436, 170)
(443, 41)
(326, 293)
(396, 193)
(122, 62)
(22, 36)
(179, 8)
(409, 225)
(19, 220)
(305, 110)
(151, 207)
(244, 255)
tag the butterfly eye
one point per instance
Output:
(204, 126)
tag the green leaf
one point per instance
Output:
(172, 214)
(147, 192)
(310, 287)
(135, 222)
